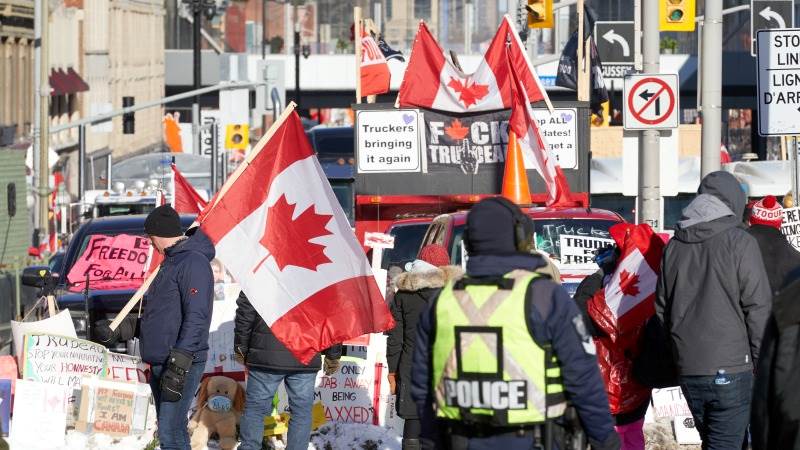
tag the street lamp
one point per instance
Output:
(198, 7)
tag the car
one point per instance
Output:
(550, 224)
(408, 234)
(88, 306)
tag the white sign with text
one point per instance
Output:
(389, 140)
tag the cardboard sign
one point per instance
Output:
(579, 251)
(791, 226)
(112, 407)
(685, 431)
(388, 140)
(59, 325)
(121, 367)
(40, 415)
(61, 360)
(111, 262)
(378, 240)
(113, 411)
(669, 402)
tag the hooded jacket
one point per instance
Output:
(254, 340)
(415, 290)
(713, 295)
(178, 305)
(781, 260)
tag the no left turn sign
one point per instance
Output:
(651, 102)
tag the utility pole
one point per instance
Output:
(197, 63)
(41, 134)
(649, 206)
(711, 87)
(264, 30)
(297, 94)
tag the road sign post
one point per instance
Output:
(651, 102)
(616, 47)
(769, 15)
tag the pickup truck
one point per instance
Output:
(102, 299)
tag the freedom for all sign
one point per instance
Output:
(466, 142)
(111, 262)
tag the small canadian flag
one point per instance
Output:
(280, 231)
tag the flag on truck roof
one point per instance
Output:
(432, 81)
(279, 230)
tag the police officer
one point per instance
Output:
(501, 351)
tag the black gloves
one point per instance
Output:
(103, 333)
(174, 376)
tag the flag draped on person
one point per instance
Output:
(529, 138)
(432, 81)
(621, 310)
(280, 231)
(375, 75)
(186, 200)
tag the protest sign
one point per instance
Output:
(126, 368)
(111, 262)
(791, 226)
(61, 360)
(5, 406)
(669, 402)
(40, 415)
(220, 359)
(59, 325)
(579, 251)
(388, 140)
(113, 411)
(112, 407)
(685, 431)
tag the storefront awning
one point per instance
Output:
(66, 82)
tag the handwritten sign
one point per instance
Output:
(669, 402)
(113, 411)
(791, 226)
(116, 262)
(579, 251)
(40, 415)
(114, 408)
(61, 360)
(126, 368)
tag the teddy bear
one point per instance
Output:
(220, 402)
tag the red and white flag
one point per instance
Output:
(281, 233)
(375, 75)
(534, 149)
(432, 81)
(186, 199)
(628, 298)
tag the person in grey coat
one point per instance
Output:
(713, 299)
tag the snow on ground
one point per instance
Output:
(350, 436)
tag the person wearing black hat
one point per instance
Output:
(503, 351)
(175, 322)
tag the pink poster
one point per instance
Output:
(111, 262)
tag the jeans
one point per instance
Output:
(173, 417)
(721, 411)
(261, 388)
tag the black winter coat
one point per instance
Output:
(775, 421)
(780, 258)
(415, 290)
(261, 349)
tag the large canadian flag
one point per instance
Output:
(375, 75)
(529, 138)
(628, 299)
(281, 233)
(186, 198)
(432, 81)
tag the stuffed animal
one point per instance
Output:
(220, 403)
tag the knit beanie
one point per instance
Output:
(434, 254)
(163, 222)
(767, 211)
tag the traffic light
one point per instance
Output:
(676, 15)
(540, 13)
(237, 137)
(128, 119)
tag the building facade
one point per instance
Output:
(16, 69)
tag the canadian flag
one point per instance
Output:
(432, 81)
(280, 231)
(375, 75)
(186, 199)
(529, 138)
(628, 298)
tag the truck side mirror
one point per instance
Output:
(35, 276)
(11, 193)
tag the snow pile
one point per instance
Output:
(660, 435)
(350, 436)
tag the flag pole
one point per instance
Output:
(357, 38)
(232, 179)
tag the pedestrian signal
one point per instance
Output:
(676, 15)
(237, 137)
(540, 13)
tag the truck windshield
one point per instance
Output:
(407, 239)
(581, 234)
(109, 261)
(123, 209)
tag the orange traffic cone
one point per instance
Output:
(515, 178)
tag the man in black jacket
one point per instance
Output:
(780, 258)
(713, 298)
(270, 362)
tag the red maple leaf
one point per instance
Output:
(628, 283)
(288, 241)
(469, 94)
(456, 131)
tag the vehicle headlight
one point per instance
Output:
(139, 184)
(80, 325)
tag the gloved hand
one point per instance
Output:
(173, 379)
(104, 334)
(392, 383)
(330, 366)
